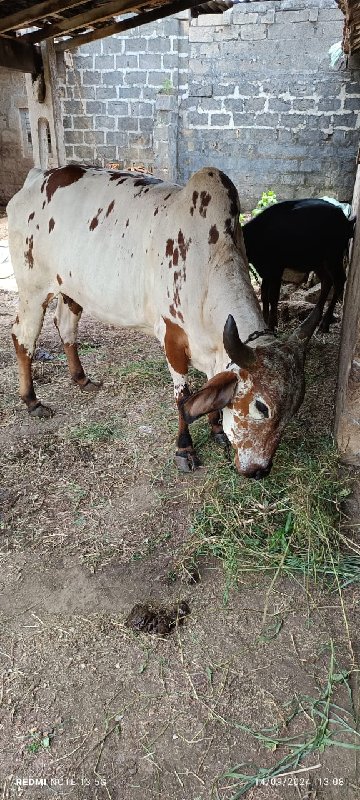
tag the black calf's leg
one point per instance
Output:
(265, 299)
(273, 295)
(338, 287)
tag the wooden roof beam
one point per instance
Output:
(132, 22)
(17, 55)
(83, 20)
(30, 15)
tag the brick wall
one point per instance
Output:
(264, 104)
(110, 89)
(14, 163)
(255, 95)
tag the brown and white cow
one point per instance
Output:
(170, 261)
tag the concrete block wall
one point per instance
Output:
(14, 162)
(264, 104)
(253, 88)
(109, 91)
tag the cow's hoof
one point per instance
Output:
(221, 439)
(41, 412)
(91, 386)
(187, 461)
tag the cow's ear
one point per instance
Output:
(215, 395)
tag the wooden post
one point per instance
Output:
(45, 115)
(347, 420)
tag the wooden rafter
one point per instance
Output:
(18, 55)
(30, 15)
(127, 24)
(83, 20)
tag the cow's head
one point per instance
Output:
(259, 392)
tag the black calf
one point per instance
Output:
(301, 235)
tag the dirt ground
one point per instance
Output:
(93, 519)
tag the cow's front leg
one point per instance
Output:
(176, 346)
(186, 459)
(217, 431)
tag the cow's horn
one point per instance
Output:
(239, 353)
(305, 331)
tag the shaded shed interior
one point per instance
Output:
(56, 19)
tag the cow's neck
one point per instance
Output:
(233, 295)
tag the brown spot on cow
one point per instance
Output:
(29, 258)
(228, 226)
(59, 280)
(176, 347)
(114, 176)
(44, 204)
(37, 228)
(169, 247)
(31, 216)
(95, 221)
(194, 199)
(180, 316)
(213, 234)
(47, 300)
(156, 211)
(172, 310)
(241, 407)
(74, 307)
(175, 257)
(205, 198)
(110, 208)
(51, 224)
(232, 194)
(147, 180)
(17, 319)
(183, 245)
(61, 177)
(127, 223)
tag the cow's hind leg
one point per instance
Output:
(67, 318)
(26, 330)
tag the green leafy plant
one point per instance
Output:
(267, 198)
(167, 87)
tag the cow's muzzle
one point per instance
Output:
(257, 472)
(260, 472)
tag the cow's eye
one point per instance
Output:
(262, 408)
